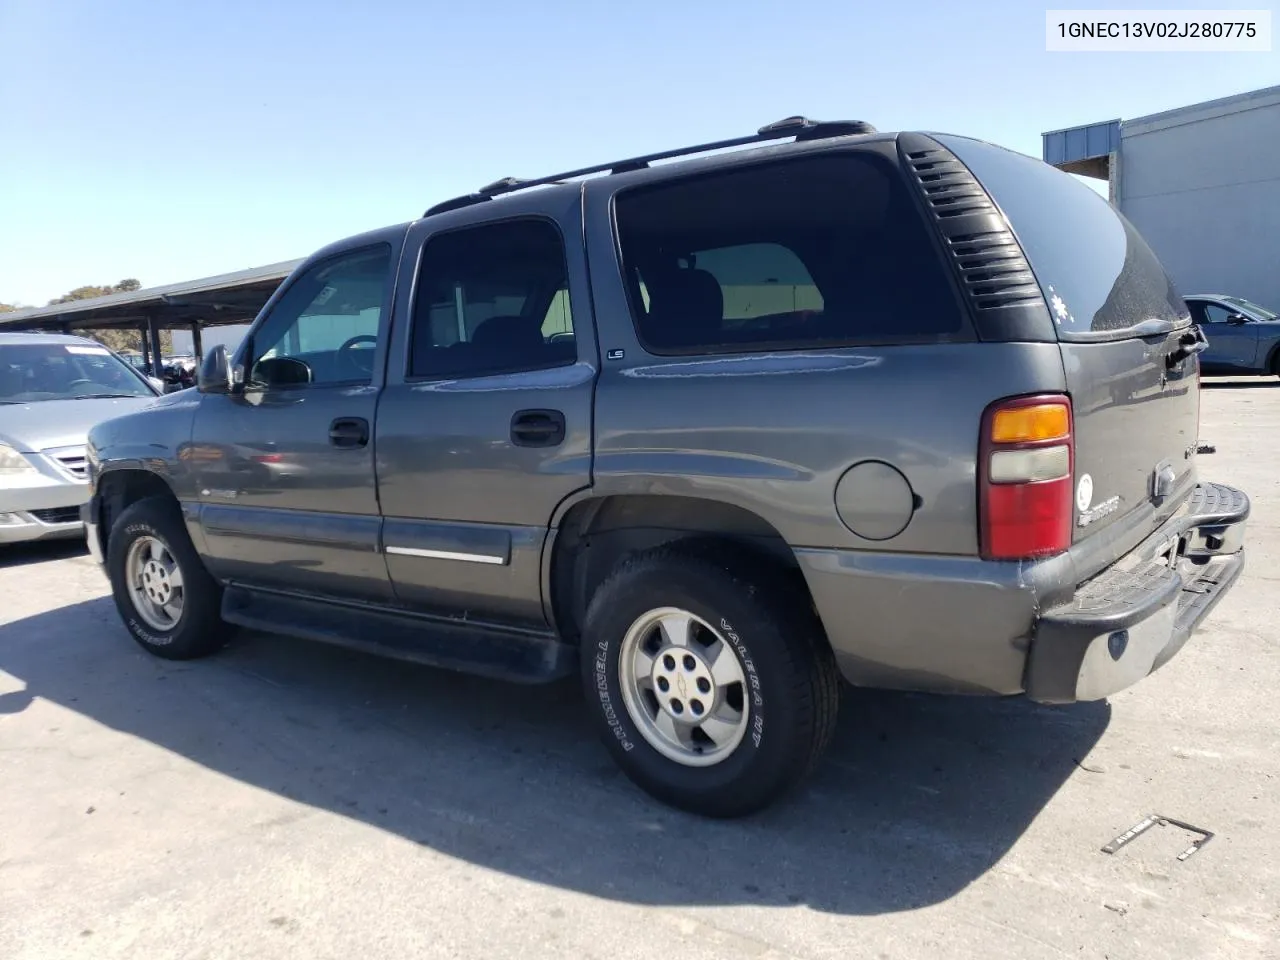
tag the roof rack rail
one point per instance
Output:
(801, 128)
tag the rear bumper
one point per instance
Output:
(946, 624)
(1135, 616)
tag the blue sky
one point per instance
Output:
(172, 140)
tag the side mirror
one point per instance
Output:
(158, 384)
(215, 372)
(1236, 319)
(282, 372)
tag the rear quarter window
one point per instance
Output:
(820, 250)
(1097, 273)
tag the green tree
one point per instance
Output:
(119, 339)
(88, 293)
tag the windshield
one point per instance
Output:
(1253, 308)
(31, 372)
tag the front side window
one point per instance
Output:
(492, 299)
(34, 372)
(324, 329)
(1216, 313)
(816, 250)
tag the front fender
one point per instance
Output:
(155, 440)
(138, 455)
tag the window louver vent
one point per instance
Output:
(995, 272)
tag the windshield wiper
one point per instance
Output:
(104, 396)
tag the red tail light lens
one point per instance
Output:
(1026, 464)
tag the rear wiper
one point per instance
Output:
(1154, 327)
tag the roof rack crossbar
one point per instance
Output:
(801, 128)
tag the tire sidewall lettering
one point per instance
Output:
(753, 680)
(145, 634)
(605, 694)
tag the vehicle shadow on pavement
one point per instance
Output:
(918, 797)
(41, 551)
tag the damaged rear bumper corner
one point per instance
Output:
(1136, 615)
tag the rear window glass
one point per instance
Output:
(790, 254)
(1097, 273)
(492, 299)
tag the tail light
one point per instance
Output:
(1025, 467)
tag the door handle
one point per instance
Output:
(349, 432)
(537, 428)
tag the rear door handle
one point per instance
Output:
(349, 432)
(537, 428)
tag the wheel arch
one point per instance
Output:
(595, 533)
(1273, 358)
(118, 487)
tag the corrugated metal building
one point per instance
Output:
(1201, 183)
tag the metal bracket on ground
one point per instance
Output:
(1155, 819)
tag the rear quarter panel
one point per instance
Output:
(774, 432)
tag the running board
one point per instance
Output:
(487, 650)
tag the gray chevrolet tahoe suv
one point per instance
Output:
(909, 410)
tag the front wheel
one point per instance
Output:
(709, 678)
(165, 596)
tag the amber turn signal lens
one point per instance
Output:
(1041, 421)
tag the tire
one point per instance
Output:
(740, 609)
(153, 529)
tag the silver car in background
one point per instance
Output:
(53, 388)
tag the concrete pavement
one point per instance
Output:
(286, 799)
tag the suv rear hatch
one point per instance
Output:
(1128, 346)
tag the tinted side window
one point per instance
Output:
(1215, 313)
(492, 299)
(815, 250)
(1097, 273)
(760, 280)
(325, 326)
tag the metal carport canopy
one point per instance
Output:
(230, 298)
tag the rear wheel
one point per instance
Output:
(166, 597)
(709, 678)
